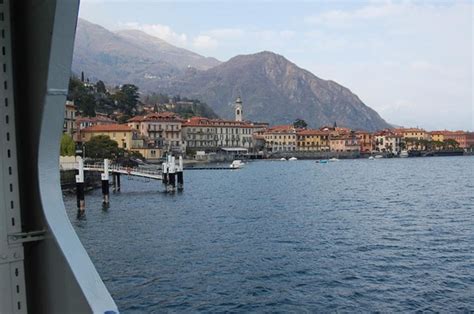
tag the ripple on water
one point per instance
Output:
(389, 236)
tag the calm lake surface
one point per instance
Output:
(355, 235)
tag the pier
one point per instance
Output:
(171, 175)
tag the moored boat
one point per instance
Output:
(293, 158)
(403, 154)
(236, 164)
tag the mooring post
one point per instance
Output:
(118, 182)
(180, 174)
(105, 182)
(114, 183)
(81, 205)
(171, 174)
(164, 173)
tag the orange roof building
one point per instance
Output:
(214, 134)
(162, 127)
(312, 140)
(120, 133)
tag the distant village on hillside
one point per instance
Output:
(156, 128)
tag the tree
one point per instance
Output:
(451, 143)
(82, 96)
(67, 148)
(300, 124)
(101, 146)
(100, 86)
(127, 98)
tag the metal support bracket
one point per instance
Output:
(22, 237)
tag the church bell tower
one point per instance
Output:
(238, 109)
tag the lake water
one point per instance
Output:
(355, 235)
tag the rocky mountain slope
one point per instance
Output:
(272, 88)
(130, 56)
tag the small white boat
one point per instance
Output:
(283, 158)
(378, 156)
(333, 159)
(403, 154)
(293, 158)
(371, 158)
(236, 164)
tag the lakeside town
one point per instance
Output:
(151, 132)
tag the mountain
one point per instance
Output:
(130, 56)
(274, 89)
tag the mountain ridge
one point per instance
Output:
(273, 88)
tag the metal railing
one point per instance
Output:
(99, 166)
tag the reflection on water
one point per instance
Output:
(383, 235)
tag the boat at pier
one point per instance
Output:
(237, 164)
(293, 158)
(403, 154)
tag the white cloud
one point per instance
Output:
(344, 18)
(161, 31)
(226, 33)
(205, 42)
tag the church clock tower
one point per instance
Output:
(238, 109)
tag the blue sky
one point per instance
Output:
(411, 61)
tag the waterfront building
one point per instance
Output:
(99, 119)
(149, 152)
(387, 141)
(123, 134)
(312, 140)
(281, 138)
(164, 128)
(86, 122)
(437, 136)
(463, 138)
(413, 137)
(344, 143)
(69, 126)
(365, 140)
(211, 135)
(412, 133)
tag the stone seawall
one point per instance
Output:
(315, 155)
